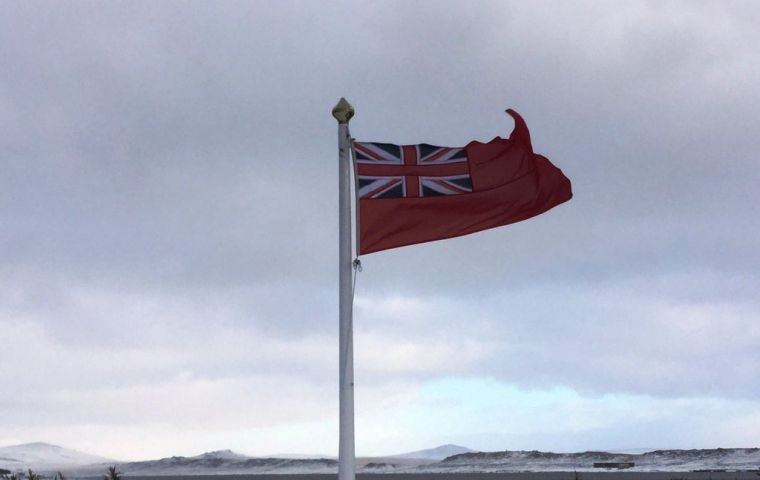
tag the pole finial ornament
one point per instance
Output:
(343, 111)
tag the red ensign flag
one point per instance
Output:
(411, 194)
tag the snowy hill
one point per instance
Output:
(658, 460)
(437, 453)
(47, 458)
(227, 463)
(43, 456)
(222, 454)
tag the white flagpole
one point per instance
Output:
(343, 112)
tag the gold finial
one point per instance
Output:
(343, 111)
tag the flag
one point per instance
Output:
(410, 194)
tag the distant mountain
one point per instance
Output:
(44, 456)
(223, 454)
(437, 453)
(47, 458)
(227, 462)
(300, 455)
(730, 459)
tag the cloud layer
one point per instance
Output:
(168, 209)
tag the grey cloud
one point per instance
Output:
(168, 169)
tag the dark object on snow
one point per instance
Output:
(618, 465)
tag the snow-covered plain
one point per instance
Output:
(658, 460)
(44, 457)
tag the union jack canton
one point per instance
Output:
(385, 170)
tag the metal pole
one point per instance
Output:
(346, 450)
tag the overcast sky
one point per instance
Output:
(168, 227)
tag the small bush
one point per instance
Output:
(112, 474)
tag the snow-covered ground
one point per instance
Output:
(44, 457)
(658, 460)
